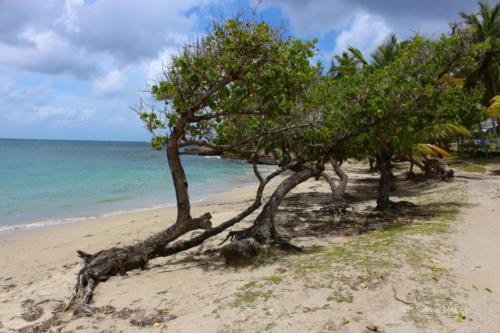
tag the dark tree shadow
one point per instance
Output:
(307, 214)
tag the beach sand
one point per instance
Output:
(355, 276)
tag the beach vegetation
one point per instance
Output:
(246, 90)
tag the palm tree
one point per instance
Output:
(386, 52)
(428, 154)
(383, 55)
(342, 65)
(494, 109)
(485, 28)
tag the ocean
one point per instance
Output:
(48, 182)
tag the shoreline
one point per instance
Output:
(18, 228)
(55, 246)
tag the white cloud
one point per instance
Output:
(60, 114)
(110, 84)
(83, 38)
(365, 33)
(48, 52)
(155, 67)
(403, 17)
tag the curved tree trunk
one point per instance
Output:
(338, 191)
(104, 264)
(100, 266)
(343, 181)
(338, 204)
(197, 240)
(264, 229)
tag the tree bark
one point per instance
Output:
(411, 174)
(264, 229)
(100, 266)
(195, 241)
(104, 264)
(342, 176)
(385, 180)
(338, 191)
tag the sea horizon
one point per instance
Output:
(48, 182)
(89, 140)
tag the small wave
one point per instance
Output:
(69, 220)
(216, 157)
(46, 223)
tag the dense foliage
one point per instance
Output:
(246, 90)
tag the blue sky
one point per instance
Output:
(72, 69)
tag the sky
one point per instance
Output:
(72, 69)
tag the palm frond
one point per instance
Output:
(386, 52)
(494, 108)
(356, 54)
(443, 131)
(427, 149)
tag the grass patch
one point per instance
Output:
(472, 164)
(380, 250)
(473, 168)
(340, 298)
(249, 285)
(411, 239)
(249, 298)
(274, 279)
(256, 290)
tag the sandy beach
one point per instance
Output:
(433, 268)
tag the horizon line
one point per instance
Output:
(88, 140)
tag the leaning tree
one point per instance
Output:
(241, 68)
(413, 94)
(330, 108)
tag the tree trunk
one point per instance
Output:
(384, 186)
(338, 191)
(373, 164)
(343, 178)
(104, 264)
(197, 240)
(411, 174)
(264, 229)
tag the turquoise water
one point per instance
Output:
(44, 182)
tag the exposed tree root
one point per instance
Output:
(263, 229)
(100, 266)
